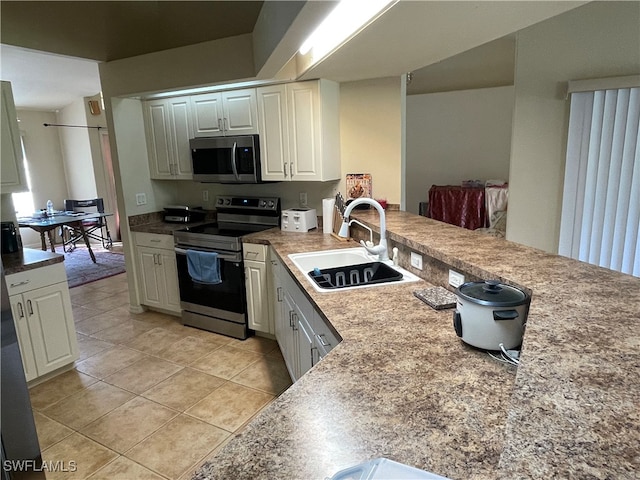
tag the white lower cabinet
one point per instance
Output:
(158, 271)
(302, 334)
(41, 308)
(257, 286)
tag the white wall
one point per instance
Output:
(370, 134)
(600, 39)
(45, 163)
(76, 151)
(456, 136)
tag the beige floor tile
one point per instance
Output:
(183, 389)
(128, 424)
(103, 321)
(114, 300)
(226, 361)
(124, 332)
(86, 296)
(188, 350)
(188, 475)
(255, 344)
(108, 361)
(82, 313)
(268, 374)
(112, 285)
(124, 469)
(59, 387)
(156, 319)
(89, 346)
(163, 453)
(154, 341)
(277, 353)
(77, 451)
(230, 406)
(49, 431)
(87, 405)
(143, 374)
(208, 336)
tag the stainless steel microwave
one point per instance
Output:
(226, 159)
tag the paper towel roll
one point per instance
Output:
(328, 205)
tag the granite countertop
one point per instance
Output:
(28, 259)
(403, 386)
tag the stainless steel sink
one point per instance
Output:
(344, 269)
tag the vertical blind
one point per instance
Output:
(600, 221)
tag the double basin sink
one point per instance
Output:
(344, 269)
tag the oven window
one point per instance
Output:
(228, 295)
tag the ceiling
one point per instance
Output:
(463, 44)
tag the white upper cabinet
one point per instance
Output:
(169, 128)
(12, 166)
(225, 113)
(300, 131)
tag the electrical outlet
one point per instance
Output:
(455, 279)
(205, 195)
(303, 200)
(416, 260)
(141, 198)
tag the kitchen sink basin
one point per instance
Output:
(344, 269)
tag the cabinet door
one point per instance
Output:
(181, 133)
(206, 110)
(12, 173)
(240, 112)
(157, 125)
(53, 334)
(285, 336)
(149, 282)
(169, 274)
(274, 134)
(19, 312)
(255, 274)
(304, 124)
(305, 343)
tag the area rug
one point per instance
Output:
(80, 269)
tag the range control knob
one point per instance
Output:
(227, 201)
(270, 203)
(220, 201)
(263, 203)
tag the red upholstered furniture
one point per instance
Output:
(461, 206)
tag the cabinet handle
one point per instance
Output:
(291, 169)
(279, 294)
(312, 357)
(295, 320)
(155, 258)
(274, 263)
(220, 127)
(284, 168)
(24, 282)
(20, 310)
(29, 307)
(252, 253)
(322, 340)
(159, 259)
(225, 124)
(155, 240)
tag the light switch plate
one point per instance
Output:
(141, 198)
(416, 260)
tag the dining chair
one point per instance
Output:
(95, 228)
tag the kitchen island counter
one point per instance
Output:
(402, 385)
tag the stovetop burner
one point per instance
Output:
(225, 231)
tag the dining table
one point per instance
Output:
(46, 226)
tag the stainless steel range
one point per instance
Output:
(222, 307)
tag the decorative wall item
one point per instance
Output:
(359, 185)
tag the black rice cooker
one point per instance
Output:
(490, 313)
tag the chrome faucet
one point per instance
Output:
(381, 248)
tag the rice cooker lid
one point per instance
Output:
(493, 293)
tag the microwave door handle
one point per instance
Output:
(233, 160)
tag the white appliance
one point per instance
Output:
(299, 220)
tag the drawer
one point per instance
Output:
(155, 240)
(37, 278)
(252, 251)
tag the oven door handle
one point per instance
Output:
(234, 167)
(233, 257)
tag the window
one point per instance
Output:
(601, 203)
(23, 201)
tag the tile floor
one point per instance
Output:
(149, 398)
